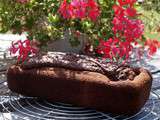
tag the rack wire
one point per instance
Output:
(16, 107)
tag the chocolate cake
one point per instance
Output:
(83, 81)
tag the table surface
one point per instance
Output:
(17, 107)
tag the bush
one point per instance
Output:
(112, 26)
(150, 10)
(42, 21)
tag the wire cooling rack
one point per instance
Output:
(17, 107)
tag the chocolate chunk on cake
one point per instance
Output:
(83, 81)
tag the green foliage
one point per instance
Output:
(40, 18)
(150, 15)
(151, 5)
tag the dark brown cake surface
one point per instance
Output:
(82, 81)
(82, 63)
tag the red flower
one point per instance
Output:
(126, 31)
(66, 10)
(23, 49)
(130, 12)
(79, 9)
(118, 10)
(104, 48)
(130, 29)
(114, 49)
(93, 14)
(122, 2)
(126, 2)
(93, 11)
(121, 11)
(153, 46)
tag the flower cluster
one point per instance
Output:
(79, 9)
(126, 28)
(152, 46)
(23, 49)
(114, 49)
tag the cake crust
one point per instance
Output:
(104, 87)
(82, 88)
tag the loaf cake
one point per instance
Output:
(82, 81)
